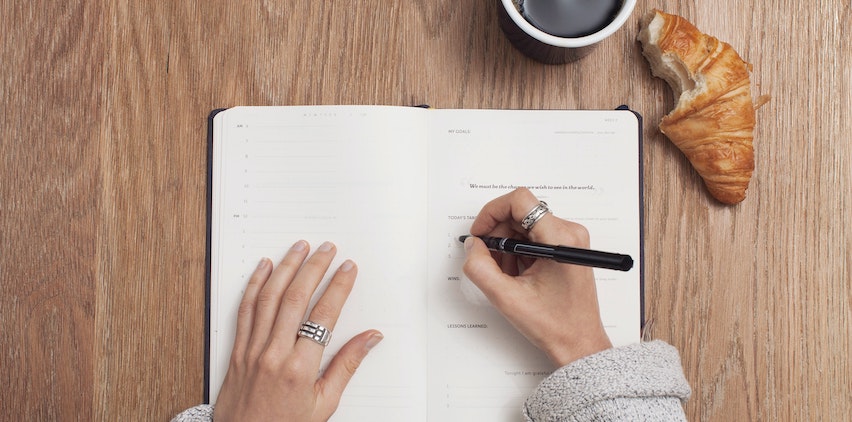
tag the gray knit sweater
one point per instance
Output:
(643, 381)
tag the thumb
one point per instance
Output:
(481, 268)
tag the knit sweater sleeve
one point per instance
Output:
(642, 381)
(200, 413)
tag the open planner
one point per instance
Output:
(393, 188)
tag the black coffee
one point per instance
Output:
(569, 18)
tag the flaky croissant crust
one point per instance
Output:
(713, 121)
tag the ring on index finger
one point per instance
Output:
(534, 215)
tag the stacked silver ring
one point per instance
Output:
(315, 332)
(534, 215)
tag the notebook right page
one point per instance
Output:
(586, 166)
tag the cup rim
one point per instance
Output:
(527, 27)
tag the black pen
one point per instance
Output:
(564, 254)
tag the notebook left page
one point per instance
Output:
(354, 175)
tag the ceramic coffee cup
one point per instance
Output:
(574, 43)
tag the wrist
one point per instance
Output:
(587, 345)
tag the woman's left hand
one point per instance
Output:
(273, 373)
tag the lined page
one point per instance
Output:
(585, 165)
(352, 175)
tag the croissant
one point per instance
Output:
(713, 120)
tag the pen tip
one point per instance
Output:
(463, 237)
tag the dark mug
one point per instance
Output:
(543, 36)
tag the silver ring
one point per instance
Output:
(315, 332)
(534, 215)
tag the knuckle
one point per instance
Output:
(267, 298)
(569, 233)
(294, 369)
(252, 354)
(316, 265)
(578, 235)
(269, 362)
(350, 365)
(323, 311)
(238, 357)
(523, 191)
(246, 309)
(295, 297)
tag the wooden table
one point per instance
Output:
(103, 181)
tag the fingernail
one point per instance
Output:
(299, 246)
(262, 264)
(468, 244)
(374, 340)
(325, 247)
(347, 265)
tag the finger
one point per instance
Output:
(506, 262)
(509, 208)
(561, 232)
(327, 309)
(342, 367)
(297, 297)
(269, 297)
(485, 272)
(245, 315)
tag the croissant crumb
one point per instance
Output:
(713, 120)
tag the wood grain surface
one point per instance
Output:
(103, 109)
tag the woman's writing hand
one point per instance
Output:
(553, 305)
